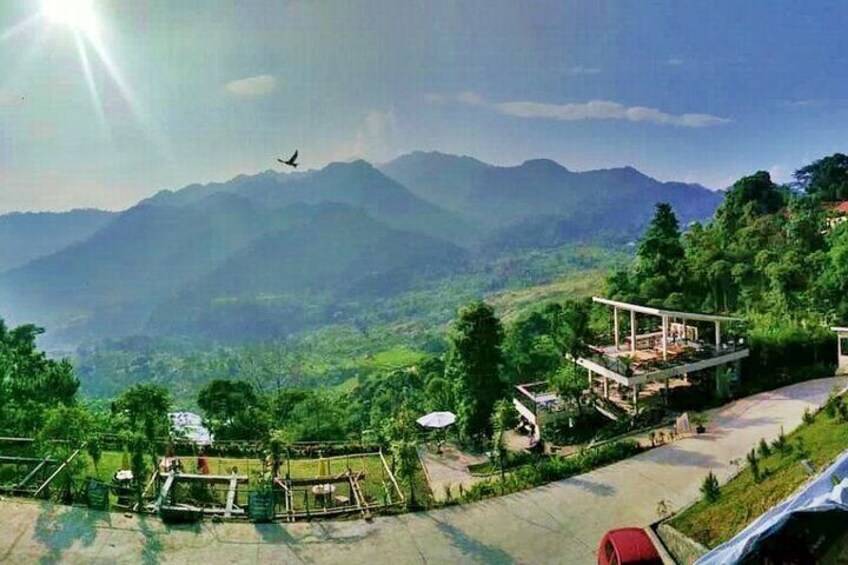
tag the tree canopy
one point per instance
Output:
(825, 179)
(30, 383)
(474, 365)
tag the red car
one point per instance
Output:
(628, 546)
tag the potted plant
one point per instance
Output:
(699, 420)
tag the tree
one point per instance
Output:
(710, 489)
(474, 365)
(529, 349)
(825, 179)
(502, 420)
(569, 383)
(232, 409)
(659, 269)
(754, 195)
(404, 448)
(144, 408)
(30, 383)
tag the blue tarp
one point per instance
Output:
(819, 494)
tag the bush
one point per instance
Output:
(764, 449)
(781, 445)
(554, 468)
(808, 417)
(710, 489)
(801, 449)
(832, 407)
(754, 464)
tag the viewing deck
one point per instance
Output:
(642, 366)
(676, 349)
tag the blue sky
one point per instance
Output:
(202, 90)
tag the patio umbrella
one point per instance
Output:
(437, 420)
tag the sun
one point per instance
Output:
(78, 15)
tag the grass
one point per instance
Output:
(511, 304)
(374, 485)
(742, 499)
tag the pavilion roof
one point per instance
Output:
(661, 312)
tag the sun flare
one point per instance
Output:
(78, 15)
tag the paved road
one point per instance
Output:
(558, 523)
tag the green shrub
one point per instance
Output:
(831, 408)
(781, 445)
(801, 449)
(710, 489)
(754, 464)
(808, 417)
(764, 449)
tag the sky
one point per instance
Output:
(159, 94)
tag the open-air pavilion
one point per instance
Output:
(534, 402)
(841, 350)
(671, 351)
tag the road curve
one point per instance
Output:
(558, 523)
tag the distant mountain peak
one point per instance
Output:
(544, 165)
(436, 157)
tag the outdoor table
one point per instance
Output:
(323, 492)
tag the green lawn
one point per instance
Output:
(374, 485)
(743, 500)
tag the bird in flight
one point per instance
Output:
(291, 162)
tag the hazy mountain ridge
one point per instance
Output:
(275, 252)
(26, 236)
(542, 196)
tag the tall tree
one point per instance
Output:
(659, 267)
(143, 408)
(233, 410)
(474, 365)
(30, 383)
(754, 195)
(826, 179)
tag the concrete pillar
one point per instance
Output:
(632, 331)
(665, 337)
(615, 325)
(635, 397)
(718, 336)
(606, 387)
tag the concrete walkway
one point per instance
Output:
(449, 470)
(558, 523)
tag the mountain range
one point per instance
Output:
(266, 255)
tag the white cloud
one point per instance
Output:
(432, 98)
(579, 70)
(378, 124)
(675, 62)
(372, 140)
(804, 103)
(606, 110)
(469, 97)
(592, 110)
(252, 87)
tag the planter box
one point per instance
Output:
(260, 506)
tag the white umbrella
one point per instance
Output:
(437, 419)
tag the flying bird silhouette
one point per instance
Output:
(291, 162)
